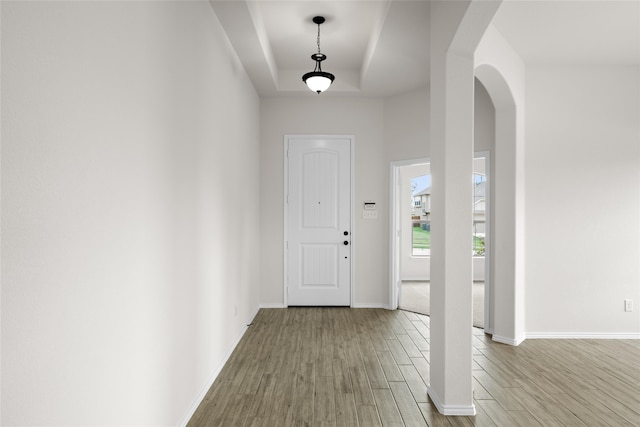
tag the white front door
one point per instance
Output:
(318, 229)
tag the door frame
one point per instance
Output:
(353, 242)
(394, 233)
(395, 224)
(488, 242)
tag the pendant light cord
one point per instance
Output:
(318, 80)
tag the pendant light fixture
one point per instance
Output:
(318, 80)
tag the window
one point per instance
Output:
(421, 216)
(479, 213)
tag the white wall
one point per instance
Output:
(322, 114)
(406, 125)
(484, 121)
(583, 199)
(130, 141)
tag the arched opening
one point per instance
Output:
(506, 289)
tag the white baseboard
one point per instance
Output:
(456, 410)
(510, 341)
(203, 392)
(355, 305)
(273, 305)
(369, 305)
(584, 335)
(250, 321)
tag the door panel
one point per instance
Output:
(318, 216)
(319, 265)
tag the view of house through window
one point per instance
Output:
(421, 215)
(479, 213)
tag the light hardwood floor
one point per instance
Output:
(415, 296)
(370, 367)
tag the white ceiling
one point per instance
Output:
(381, 47)
(572, 32)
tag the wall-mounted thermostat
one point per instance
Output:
(369, 211)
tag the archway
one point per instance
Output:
(506, 319)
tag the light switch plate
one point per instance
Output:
(370, 214)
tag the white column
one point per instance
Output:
(456, 28)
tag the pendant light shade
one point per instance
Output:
(318, 80)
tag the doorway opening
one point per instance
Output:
(411, 232)
(481, 239)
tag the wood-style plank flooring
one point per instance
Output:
(370, 367)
